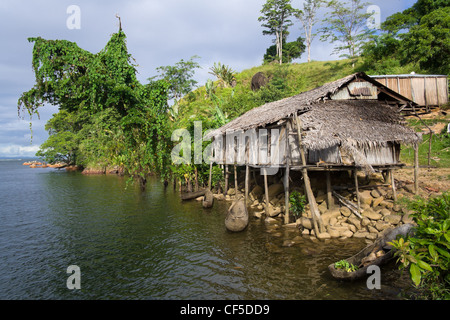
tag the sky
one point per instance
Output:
(159, 33)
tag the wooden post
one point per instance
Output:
(416, 169)
(247, 177)
(225, 190)
(393, 184)
(266, 190)
(317, 220)
(357, 190)
(329, 195)
(286, 178)
(235, 182)
(210, 169)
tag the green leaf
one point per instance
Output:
(415, 274)
(433, 253)
(423, 265)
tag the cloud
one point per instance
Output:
(14, 150)
(158, 33)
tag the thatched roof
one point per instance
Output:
(329, 122)
(360, 123)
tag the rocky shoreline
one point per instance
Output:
(378, 212)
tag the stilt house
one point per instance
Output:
(353, 123)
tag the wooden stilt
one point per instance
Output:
(355, 174)
(394, 192)
(266, 190)
(235, 181)
(286, 178)
(210, 174)
(317, 220)
(329, 195)
(416, 169)
(225, 190)
(247, 178)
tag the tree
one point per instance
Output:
(275, 18)
(308, 18)
(180, 77)
(224, 74)
(346, 24)
(291, 50)
(114, 115)
(428, 43)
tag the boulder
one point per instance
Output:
(365, 197)
(258, 80)
(374, 193)
(237, 217)
(372, 215)
(329, 214)
(381, 225)
(323, 236)
(377, 201)
(275, 189)
(393, 219)
(306, 223)
(360, 234)
(257, 191)
(345, 211)
(355, 221)
(208, 199)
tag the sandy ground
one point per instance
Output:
(433, 181)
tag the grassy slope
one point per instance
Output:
(299, 78)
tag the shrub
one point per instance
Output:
(426, 253)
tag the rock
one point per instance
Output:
(93, 171)
(275, 189)
(365, 197)
(381, 225)
(329, 214)
(323, 236)
(407, 218)
(385, 212)
(208, 199)
(388, 204)
(257, 191)
(365, 221)
(288, 243)
(305, 232)
(306, 223)
(258, 214)
(270, 220)
(231, 191)
(273, 211)
(393, 219)
(355, 221)
(375, 194)
(323, 208)
(237, 217)
(372, 235)
(360, 234)
(345, 211)
(347, 234)
(369, 213)
(397, 208)
(377, 201)
(219, 196)
(333, 232)
(258, 80)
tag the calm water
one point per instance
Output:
(134, 245)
